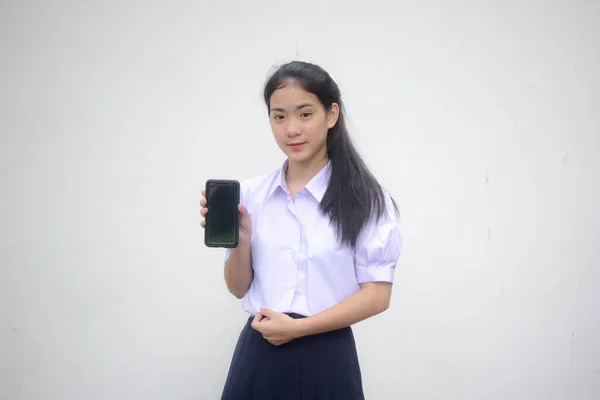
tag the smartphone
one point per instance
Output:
(223, 219)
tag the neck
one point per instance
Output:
(300, 173)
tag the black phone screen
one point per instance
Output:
(222, 219)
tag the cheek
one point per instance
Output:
(318, 132)
(280, 136)
(277, 131)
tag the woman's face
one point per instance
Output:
(300, 123)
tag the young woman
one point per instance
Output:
(319, 242)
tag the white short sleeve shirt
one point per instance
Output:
(299, 265)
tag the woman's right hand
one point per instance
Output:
(245, 221)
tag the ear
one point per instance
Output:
(332, 115)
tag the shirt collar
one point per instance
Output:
(317, 185)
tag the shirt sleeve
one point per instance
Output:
(378, 247)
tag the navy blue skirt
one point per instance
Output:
(318, 367)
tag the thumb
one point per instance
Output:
(256, 322)
(243, 210)
(267, 313)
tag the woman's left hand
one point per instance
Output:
(276, 328)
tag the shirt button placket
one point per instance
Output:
(291, 285)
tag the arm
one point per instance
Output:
(377, 252)
(238, 262)
(238, 269)
(372, 299)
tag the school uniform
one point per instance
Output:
(301, 269)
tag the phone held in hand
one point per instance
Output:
(223, 218)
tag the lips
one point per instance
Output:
(296, 146)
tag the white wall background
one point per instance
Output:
(482, 118)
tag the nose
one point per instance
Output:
(293, 128)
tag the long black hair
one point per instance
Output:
(353, 196)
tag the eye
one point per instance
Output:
(277, 117)
(306, 114)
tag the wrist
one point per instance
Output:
(244, 240)
(243, 244)
(301, 327)
(242, 253)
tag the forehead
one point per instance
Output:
(292, 95)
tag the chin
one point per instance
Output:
(299, 157)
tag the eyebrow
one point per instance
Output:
(299, 107)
